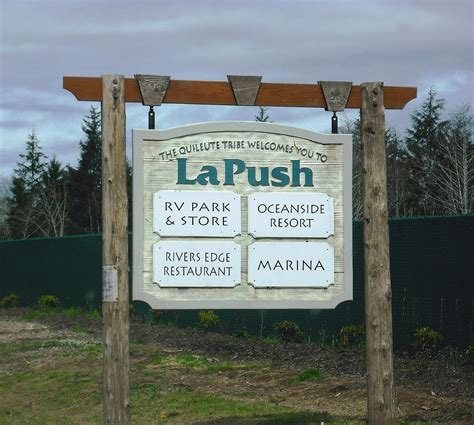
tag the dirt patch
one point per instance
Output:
(438, 389)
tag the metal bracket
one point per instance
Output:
(152, 88)
(245, 88)
(336, 94)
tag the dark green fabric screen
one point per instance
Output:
(432, 267)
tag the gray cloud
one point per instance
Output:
(419, 43)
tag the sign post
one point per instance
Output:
(113, 91)
(378, 293)
(115, 299)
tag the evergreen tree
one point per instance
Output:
(262, 115)
(85, 181)
(21, 216)
(423, 146)
(33, 165)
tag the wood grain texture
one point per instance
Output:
(161, 174)
(116, 403)
(378, 298)
(220, 93)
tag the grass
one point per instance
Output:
(192, 362)
(71, 393)
(82, 329)
(69, 311)
(59, 380)
(310, 374)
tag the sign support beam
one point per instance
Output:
(115, 302)
(378, 296)
(220, 93)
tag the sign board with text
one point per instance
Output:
(241, 215)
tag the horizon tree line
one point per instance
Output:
(430, 172)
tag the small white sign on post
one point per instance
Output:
(191, 213)
(291, 215)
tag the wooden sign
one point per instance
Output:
(241, 215)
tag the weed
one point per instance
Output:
(289, 331)
(208, 319)
(461, 412)
(9, 301)
(271, 339)
(352, 335)
(81, 329)
(93, 348)
(242, 333)
(191, 360)
(46, 302)
(39, 314)
(72, 311)
(159, 358)
(470, 349)
(310, 374)
(427, 340)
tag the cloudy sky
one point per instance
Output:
(406, 43)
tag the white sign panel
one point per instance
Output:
(196, 264)
(291, 215)
(291, 264)
(196, 213)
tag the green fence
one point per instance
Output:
(432, 266)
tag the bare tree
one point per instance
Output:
(353, 127)
(4, 197)
(51, 210)
(454, 175)
(397, 174)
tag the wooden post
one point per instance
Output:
(116, 408)
(378, 298)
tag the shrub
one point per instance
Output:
(352, 335)
(289, 331)
(208, 319)
(427, 339)
(9, 301)
(46, 302)
(470, 349)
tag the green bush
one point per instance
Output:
(208, 319)
(352, 335)
(9, 301)
(289, 331)
(427, 340)
(46, 302)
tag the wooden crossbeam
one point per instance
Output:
(220, 93)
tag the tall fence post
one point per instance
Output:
(378, 297)
(115, 299)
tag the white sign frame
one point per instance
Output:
(243, 296)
